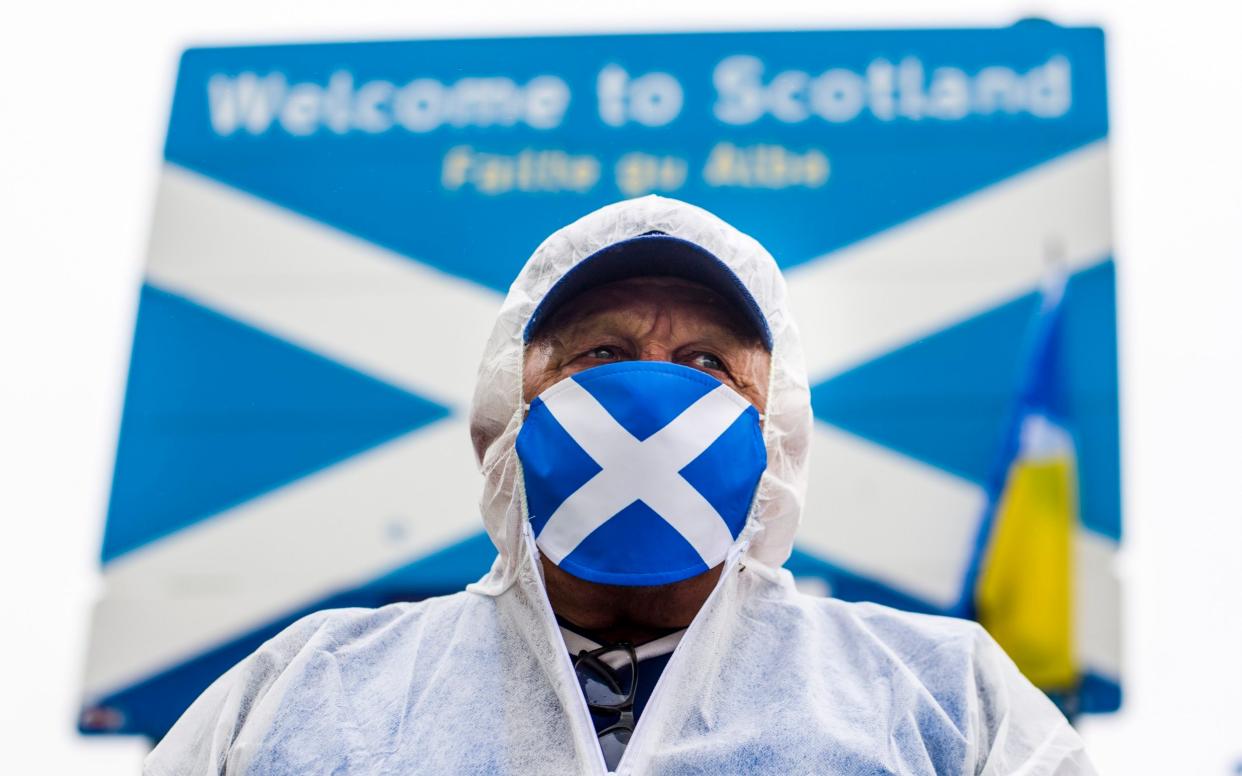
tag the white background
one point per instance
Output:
(84, 96)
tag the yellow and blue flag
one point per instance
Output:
(1023, 582)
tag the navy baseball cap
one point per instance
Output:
(651, 253)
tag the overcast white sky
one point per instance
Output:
(84, 93)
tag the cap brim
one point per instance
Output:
(654, 253)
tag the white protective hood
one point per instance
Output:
(497, 411)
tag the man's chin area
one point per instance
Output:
(623, 612)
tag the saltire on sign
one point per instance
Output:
(336, 225)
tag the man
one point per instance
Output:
(642, 421)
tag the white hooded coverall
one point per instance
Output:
(767, 680)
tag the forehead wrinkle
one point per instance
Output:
(588, 322)
(661, 326)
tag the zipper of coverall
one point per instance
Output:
(654, 704)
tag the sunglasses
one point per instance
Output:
(608, 692)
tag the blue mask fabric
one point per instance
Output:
(640, 472)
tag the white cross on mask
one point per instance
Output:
(633, 469)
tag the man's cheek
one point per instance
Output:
(538, 381)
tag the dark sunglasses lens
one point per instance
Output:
(601, 690)
(613, 744)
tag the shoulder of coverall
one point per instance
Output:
(948, 654)
(336, 631)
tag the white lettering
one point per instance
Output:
(948, 97)
(1049, 92)
(419, 105)
(888, 92)
(336, 102)
(910, 88)
(301, 111)
(838, 95)
(880, 87)
(373, 106)
(245, 102)
(739, 90)
(253, 104)
(610, 92)
(483, 102)
(998, 89)
(787, 97)
(547, 99)
(653, 99)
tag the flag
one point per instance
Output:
(1023, 588)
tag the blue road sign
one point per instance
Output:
(337, 223)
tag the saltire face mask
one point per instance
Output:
(640, 472)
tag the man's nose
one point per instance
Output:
(654, 351)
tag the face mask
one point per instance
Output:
(640, 472)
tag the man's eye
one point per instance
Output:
(603, 353)
(707, 361)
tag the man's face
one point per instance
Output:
(649, 319)
(642, 319)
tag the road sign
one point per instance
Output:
(336, 225)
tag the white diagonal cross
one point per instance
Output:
(633, 470)
(350, 300)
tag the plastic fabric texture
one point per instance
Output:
(765, 680)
